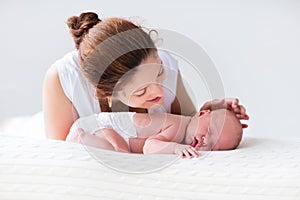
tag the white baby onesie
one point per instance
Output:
(121, 122)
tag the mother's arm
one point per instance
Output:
(59, 113)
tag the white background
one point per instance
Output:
(254, 44)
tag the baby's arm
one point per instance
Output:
(161, 144)
(117, 142)
(165, 132)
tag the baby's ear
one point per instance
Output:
(202, 112)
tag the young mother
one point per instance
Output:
(115, 67)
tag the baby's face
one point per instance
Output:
(198, 131)
(208, 135)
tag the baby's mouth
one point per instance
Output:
(196, 141)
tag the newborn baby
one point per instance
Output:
(207, 130)
(163, 133)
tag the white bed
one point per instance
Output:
(32, 168)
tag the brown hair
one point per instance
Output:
(108, 49)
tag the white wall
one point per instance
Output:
(254, 44)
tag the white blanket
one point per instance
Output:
(30, 126)
(47, 169)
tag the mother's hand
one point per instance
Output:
(231, 104)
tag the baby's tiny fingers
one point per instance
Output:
(193, 153)
(182, 155)
(197, 154)
(196, 151)
(186, 153)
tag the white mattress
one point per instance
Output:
(45, 169)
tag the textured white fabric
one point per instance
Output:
(261, 168)
(121, 122)
(81, 93)
(31, 126)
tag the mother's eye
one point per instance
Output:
(140, 93)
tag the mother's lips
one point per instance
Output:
(156, 99)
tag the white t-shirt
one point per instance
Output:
(81, 92)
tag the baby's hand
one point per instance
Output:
(186, 151)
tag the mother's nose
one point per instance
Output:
(155, 90)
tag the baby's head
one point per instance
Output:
(218, 130)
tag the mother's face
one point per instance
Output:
(144, 90)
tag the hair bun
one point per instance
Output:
(80, 25)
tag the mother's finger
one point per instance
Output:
(218, 102)
(242, 109)
(234, 102)
(237, 110)
(240, 116)
(244, 125)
